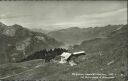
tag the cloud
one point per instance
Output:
(9, 16)
(103, 15)
(112, 17)
(10, 19)
(99, 19)
(67, 14)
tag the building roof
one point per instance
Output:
(66, 55)
(80, 52)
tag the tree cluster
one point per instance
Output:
(47, 55)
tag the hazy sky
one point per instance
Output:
(63, 13)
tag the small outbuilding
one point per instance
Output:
(64, 57)
(67, 57)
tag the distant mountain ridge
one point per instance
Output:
(40, 30)
(17, 42)
(76, 35)
(118, 38)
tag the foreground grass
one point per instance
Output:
(37, 70)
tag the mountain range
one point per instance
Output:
(106, 51)
(74, 35)
(17, 42)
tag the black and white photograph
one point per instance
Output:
(66, 40)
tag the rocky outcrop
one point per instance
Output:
(23, 44)
(9, 32)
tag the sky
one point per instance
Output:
(61, 14)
